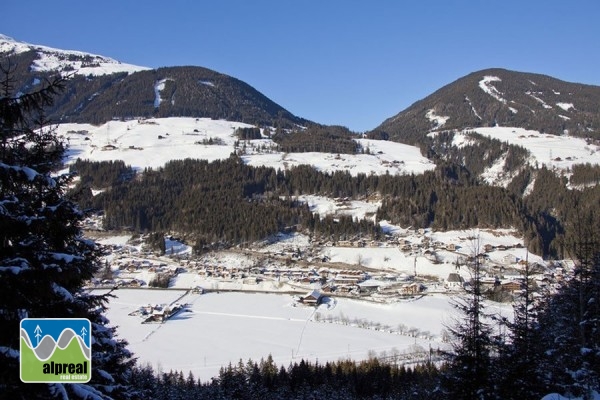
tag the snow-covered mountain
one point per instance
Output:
(100, 89)
(65, 62)
(555, 121)
(499, 97)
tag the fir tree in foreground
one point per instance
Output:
(468, 373)
(44, 259)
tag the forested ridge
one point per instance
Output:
(229, 202)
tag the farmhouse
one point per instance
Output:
(511, 286)
(312, 298)
(411, 289)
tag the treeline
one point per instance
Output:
(248, 133)
(265, 380)
(101, 174)
(585, 174)
(223, 202)
(482, 153)
(317, 138)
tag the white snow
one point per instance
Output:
(67, 61)
(566, 106)
(137, 143)
(176, 247)
(437, 120)
(223, 328)
(159, 86)
(494, 175)
(326, 206)
(560, 152)
(533, 95)
(486, 86)
(472, 108)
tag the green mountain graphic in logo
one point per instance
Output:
(63, 354)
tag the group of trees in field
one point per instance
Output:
(318, 138)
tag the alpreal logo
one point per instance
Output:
(56, 350)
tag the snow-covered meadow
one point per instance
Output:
(222, 328)
(152, 143)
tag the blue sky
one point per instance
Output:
(345, 62)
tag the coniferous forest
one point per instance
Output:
(227, 202)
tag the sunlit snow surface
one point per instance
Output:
(67, 62)
(220, 328)
(152, 143)
(557, 152)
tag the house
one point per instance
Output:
(312, 298)
(348, 277)
(451, 247)
(370, 286)
(511, 286)
(411, 289)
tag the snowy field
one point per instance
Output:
(222, 328)
(559, 152)
(152, 143)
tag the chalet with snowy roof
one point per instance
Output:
(349, 277)
(370, 286)
(312, 298)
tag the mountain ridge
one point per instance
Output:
(500, 97)
(100, 89)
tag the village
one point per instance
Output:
(307, 271)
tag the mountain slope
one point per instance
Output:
(501, 97)
(100, 89)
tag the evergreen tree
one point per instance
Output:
(468, 376)
(44, 259)
(570, 319)
(516, 369)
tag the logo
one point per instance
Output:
(56, 350)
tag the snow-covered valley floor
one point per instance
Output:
(222, 328)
